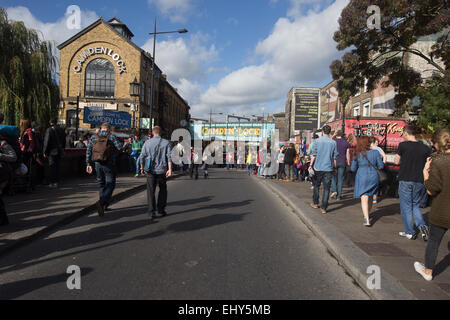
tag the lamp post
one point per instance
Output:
(153, 66)
(210, 120)
(77, 118)
(135, 88)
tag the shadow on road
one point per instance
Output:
(14, 290)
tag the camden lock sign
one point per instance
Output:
(99, 51)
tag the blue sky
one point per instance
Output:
(240, 56)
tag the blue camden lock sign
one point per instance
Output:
(98, 116)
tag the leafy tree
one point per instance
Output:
(27, 64)
(402, 22)
(435, 113)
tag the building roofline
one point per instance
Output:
(176, 92)
(79, 34)
(121, 23)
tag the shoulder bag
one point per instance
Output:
(382, 175)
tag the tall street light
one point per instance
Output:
(210, 121)
(135, 88)
(153, 66)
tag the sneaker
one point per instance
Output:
(162, 213)
(334, 195)
(420, 269)
(367, 222)
(408, 236)
(137, 175)
(100, 209)
(425, 233)
(315, 206)
(323, 211)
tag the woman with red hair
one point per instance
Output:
(366, 163)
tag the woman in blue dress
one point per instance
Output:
(366, 182)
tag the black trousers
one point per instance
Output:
(194, 169)
(153, 181)
(3, 216)
(431, 253)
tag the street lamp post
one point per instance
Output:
(153, 66)
(210, 120)
(77, 111)
(135, 88)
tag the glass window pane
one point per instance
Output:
(100, 79)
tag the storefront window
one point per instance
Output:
(100, 79)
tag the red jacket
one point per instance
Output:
(27, 141)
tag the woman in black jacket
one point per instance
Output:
(289, 157)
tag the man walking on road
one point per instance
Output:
(101, 152)
(412, 156)
(343, 159)
(324, 155)
(54, 142)
(156, 162)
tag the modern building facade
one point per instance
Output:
(97, 67)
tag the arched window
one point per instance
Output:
(100, 79)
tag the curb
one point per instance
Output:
(71, 218)
(354, 260)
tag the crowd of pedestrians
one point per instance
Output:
(424, 172)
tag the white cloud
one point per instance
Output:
(298, 52)
(186, 61)
(183, 58)
(176, 10)
(52, 31)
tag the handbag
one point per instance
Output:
(382, 175)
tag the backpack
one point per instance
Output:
(102, 149)
(30, 146)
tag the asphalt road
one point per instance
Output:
(226, 237)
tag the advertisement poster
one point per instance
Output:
(375, 128)
(251, 132)
(306, 108)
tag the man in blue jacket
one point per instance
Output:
(158, 169)
(101, 152)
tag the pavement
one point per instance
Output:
(358, 247)
(33, 215)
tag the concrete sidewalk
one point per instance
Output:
(32, 215)
(358, 247)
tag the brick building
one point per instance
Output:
(97, 66)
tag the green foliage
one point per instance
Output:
(403, 22)
(435, 113)
(27, 65)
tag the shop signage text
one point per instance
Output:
(98, 116)
(103, 51)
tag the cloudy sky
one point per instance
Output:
(240, 56)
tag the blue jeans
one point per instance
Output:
(106, 179)
(338, 180)
(325, 178)
(138, 165)
(411, 195)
